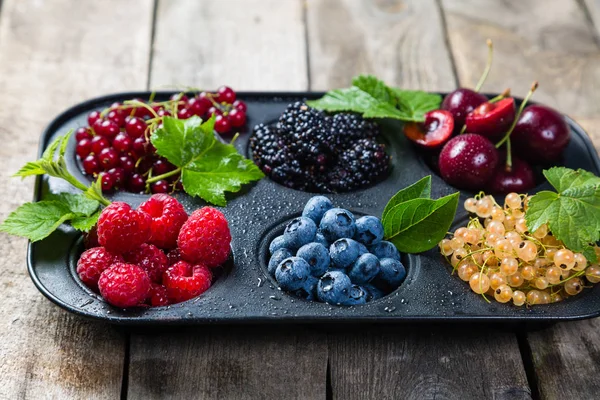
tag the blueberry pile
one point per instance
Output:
(312, 151)
(327, 255)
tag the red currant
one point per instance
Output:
(118, 176)
(139, 146)
(164, 113)
(222, 124)
(97, 126)
(179, 97)
(137, 183)
(214, 111)
(107, 181)
(83, 147)
(161, 186)
(83, 133)
(91, 165)
(240, 105)
(225, 95)
(127, 163)
(108, 158)
(122, 142)
(162, 166)
(199, 106)
(108, 129)
(117, 117)
(135, 127)
(184, 113)
(237, 118)
(93, 117)
(99, 143)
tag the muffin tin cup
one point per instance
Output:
(245, 293)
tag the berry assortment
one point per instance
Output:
(311, 151)
(155, 255)
(116, 143)
(329, 256)
(497, 255)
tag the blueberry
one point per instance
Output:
(344, 252)
(277, 258)
(373, 293)
(369, 230)
(309, 290)
(385, 249)
(391, 273)
(356, 296)
(334, 287)
(299, 232)
(292, 273)
(319, 238)
(362, 249)
(278, 243)
(316, 207)
(364, 269)
(317, 257)
(337, 223)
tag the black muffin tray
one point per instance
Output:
(245, 293)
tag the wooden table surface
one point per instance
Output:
(54, 53)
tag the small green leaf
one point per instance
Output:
(77, 203)
(418, 190)
(85, 223)
(31, 168)
(413, 104)
(375, 87)
(63, 143)
(565, 178)
(590, 254)
(418, 225)
(50, 151)
(36, 221)
(182, 140)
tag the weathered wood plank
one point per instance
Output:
(53, 55)
(551, 41)
(399, 41)
(246, 44)
(403, 42)
(426, 364)
(593, 8)
(209, 43)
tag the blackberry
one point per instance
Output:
(352, 126)
(299, 118)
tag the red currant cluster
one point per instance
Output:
(116, 143)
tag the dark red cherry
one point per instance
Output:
(492, 120)
(432, 133)
(468, 161)
(461, 103)
(519, 178)
(541, 134)
(136, 183)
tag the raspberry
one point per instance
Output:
(121, 229)
(158, 295)
(91, 264)
(90, 239)
(150, 258)
(205, 238)
(184, 281)
(168, 215)
(124, 285)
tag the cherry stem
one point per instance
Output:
(163, 176)
(503, 95)
(488, 66)
(506, 137)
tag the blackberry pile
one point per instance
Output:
(311, 151)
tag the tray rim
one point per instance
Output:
(315, 319)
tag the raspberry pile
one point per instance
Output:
(155, 255)
(311, 151)
(500, 258)
(116, 142)
(327, 255)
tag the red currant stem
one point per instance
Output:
(463, 129)
(163, 176)
(141, 104)
(534, 86)
(488, 66)
(503, 95)
(152, 96)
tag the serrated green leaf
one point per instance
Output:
(590, 254)
(50, 151)
(77, 203)
(418, 190)
(180, 141)
(375, 87)
(418, 225)
(85, 223)
(565, 178)
(63, 143)
(413, 104)
(36, 221)
(31, 168)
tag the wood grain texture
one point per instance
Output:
(545, 40)
(592, 7)
(402, 42)
(566, 358)
(229, 363)
(246, 44)
(401, 363)
(53, 55)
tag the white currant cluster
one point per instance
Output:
(499, 257)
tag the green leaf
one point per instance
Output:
(418, 190)
(418, 225)
(31, 168)
(413, 104)
(209, 168)
(572, 214)
(85, 223)
(374, 87)
(76, 203)
(590, 254)
(51, 149)
(36, 221)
